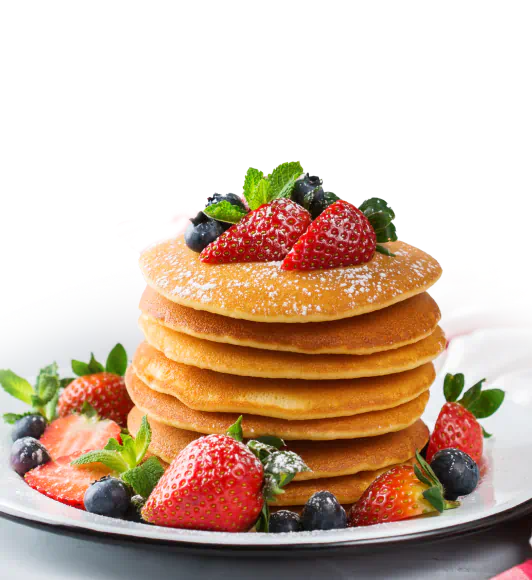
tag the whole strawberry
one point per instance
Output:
(217, 483)
(343, 236)
(264, 235)
(103, 388)
(457, 424)
(403, 492)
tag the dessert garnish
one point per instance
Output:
(219, 483)
(457, 471)
(402, 492)
(457, 424)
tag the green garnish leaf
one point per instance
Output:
(16, 386)
(80, 368)
(261, 450)
(384, 250)
(144, 477)
(263, 523)
(95, 366)
(435, 497)
(421, 476)
(235, 431)
(50, 409)
(283, 179)
(253, 177)
(471, 395)
(113, 445)
(272, 440)
(110, 459)
(224, 211)
(11, 418)
(453, 385)
(487, 403)
(485, 434)
(63, 383)
(282, 462)
(142, 440)
(116, 361)
(47, 386)
(88, 411)
(380, 216)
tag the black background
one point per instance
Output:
(63, 211)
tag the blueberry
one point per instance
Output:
(29, 426)
(107, 497)
(323, 512)
(319, 201)
(284, 521)
(232, 198)
(133, 511)
(27, 453)
(202, 231)
(305, 185)
(457, 472)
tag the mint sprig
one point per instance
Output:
(481, 404)
(224, 211)
(259, 190)
(126, 459)
(42, 397)
(280, 467)
(116, 363)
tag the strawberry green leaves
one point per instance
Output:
(434, 493)
(126, 459)
(42, 397)
(116, 363)
(380, 215)
(481, 404)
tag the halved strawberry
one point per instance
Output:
(457, 424)
(64, 482)
(68, 435)
(341, 236)
(264, 235)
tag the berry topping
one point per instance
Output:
(400, 493)
(305, 185)
(63, 482)
(202, 231)
(32, 425)
(323, 512)
(457, 472)
(107, 497)
(342, 236)
(28, 453)
(284, 521)
(457, 424)
(74, 433)
(264, 235)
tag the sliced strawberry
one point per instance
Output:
(341, 236)
(64, 482)
(68, 435)
(264, 235)
(106, 392)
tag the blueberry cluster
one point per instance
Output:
(309, 193)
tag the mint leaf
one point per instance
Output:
(16, 386)
(80, 368)
(261, 450)
(260, 195)
(95, 366)
(283, 179)
(144, 477)
(453, 385)
(113, 445)
(143, 439)
(224, 211)
(253, 176)
(235, 431)
(272, 440)
(47, 387)
(128, 451)
(11, 418)
(487, 403)
(50, 409)
(117, 361)
(109, 458)
(284, 462)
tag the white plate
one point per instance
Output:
(503, 356)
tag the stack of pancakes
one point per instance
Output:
(338, 363)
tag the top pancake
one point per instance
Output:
(403, 323)
(263, 292)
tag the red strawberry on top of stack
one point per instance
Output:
(457, 426)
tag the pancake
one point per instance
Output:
(403, 323)
(263, 292)
(171, 411)
(325, 458)
(252, 362)
(289, 399)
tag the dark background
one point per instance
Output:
(67, 215)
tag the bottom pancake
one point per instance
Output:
(325, 458)
(170, 411)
